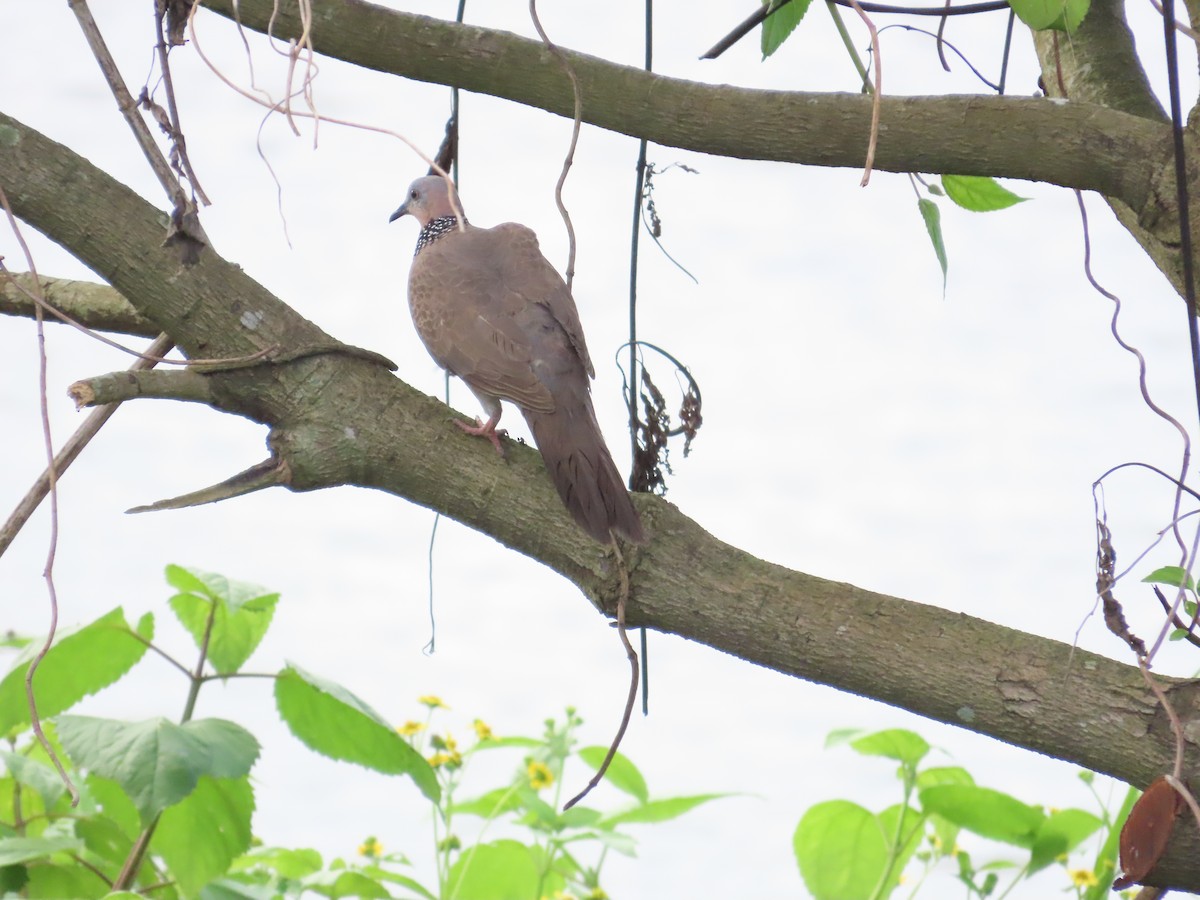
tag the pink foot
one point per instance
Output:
(487, 430)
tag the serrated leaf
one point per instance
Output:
(899, 744)
(241, 614)
(156, 762)
(36, 775)
(659, 810)
(985, 812)
(1172, 576)
(335, 723)
(80, 663)
(1059, 15)
(23, 849)
(841, 851)
(201, 835)
(622, 774)
(501, 870)
(780, 23)
(933, 225)
(978, 193)
(943, 775)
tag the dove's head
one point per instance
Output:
(428, 198)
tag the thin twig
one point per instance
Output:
(176, 135)
(126, 104)
(877, 99)
(277, 106)
(43, 305)
(70, 450)
(35, 720)
(941, 31)
(570, 157)
(623, 571)
(1179, 26)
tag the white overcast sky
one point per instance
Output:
(858, 425)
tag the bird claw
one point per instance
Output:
(486, 430)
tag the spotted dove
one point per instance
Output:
(493, 311)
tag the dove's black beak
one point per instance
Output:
(402, 211)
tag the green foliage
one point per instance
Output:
(1177, 577)
(971, 192)
(780, 23)
(168, 806)
(979, 194)
(932, 217)
(1054, 15)
(332, 721)
(846, 852)
(81, 662)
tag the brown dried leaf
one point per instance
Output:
(1147, 831)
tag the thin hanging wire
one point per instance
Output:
(639, 187)
(431, 646)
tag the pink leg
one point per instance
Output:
(486, 429)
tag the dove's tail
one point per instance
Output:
(583, 471)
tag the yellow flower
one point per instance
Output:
(539, 774)
(451, 760)
(483, 731)
(1083, 878)
(432, 701)
(370, 848)
(409, 728)
(596, 893)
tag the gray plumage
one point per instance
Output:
(493, 311)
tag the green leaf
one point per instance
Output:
(621, 774)
(501, 870)
(36, 775)
(333, 722)
(286, 862)
(1105, 865)
(80, 663)
(115, 804)
(156, 762)
(985, 812)
(344, 883)
(489, 805)
(200, 836)
(23, 849)
(1173, 576)
(412, 884)
(241, 613)
(841, 850)
(979, 194)
(659, 810)
(933, 224)
(1061, 833)
(907, 835)
(780, 23)
(841, 736)
(1058, 15)
(943, 775)
(69, 880)
(895, 743)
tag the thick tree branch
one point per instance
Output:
(336, 419)
(1074, 145)
(96, 306)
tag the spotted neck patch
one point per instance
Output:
(434, 230)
